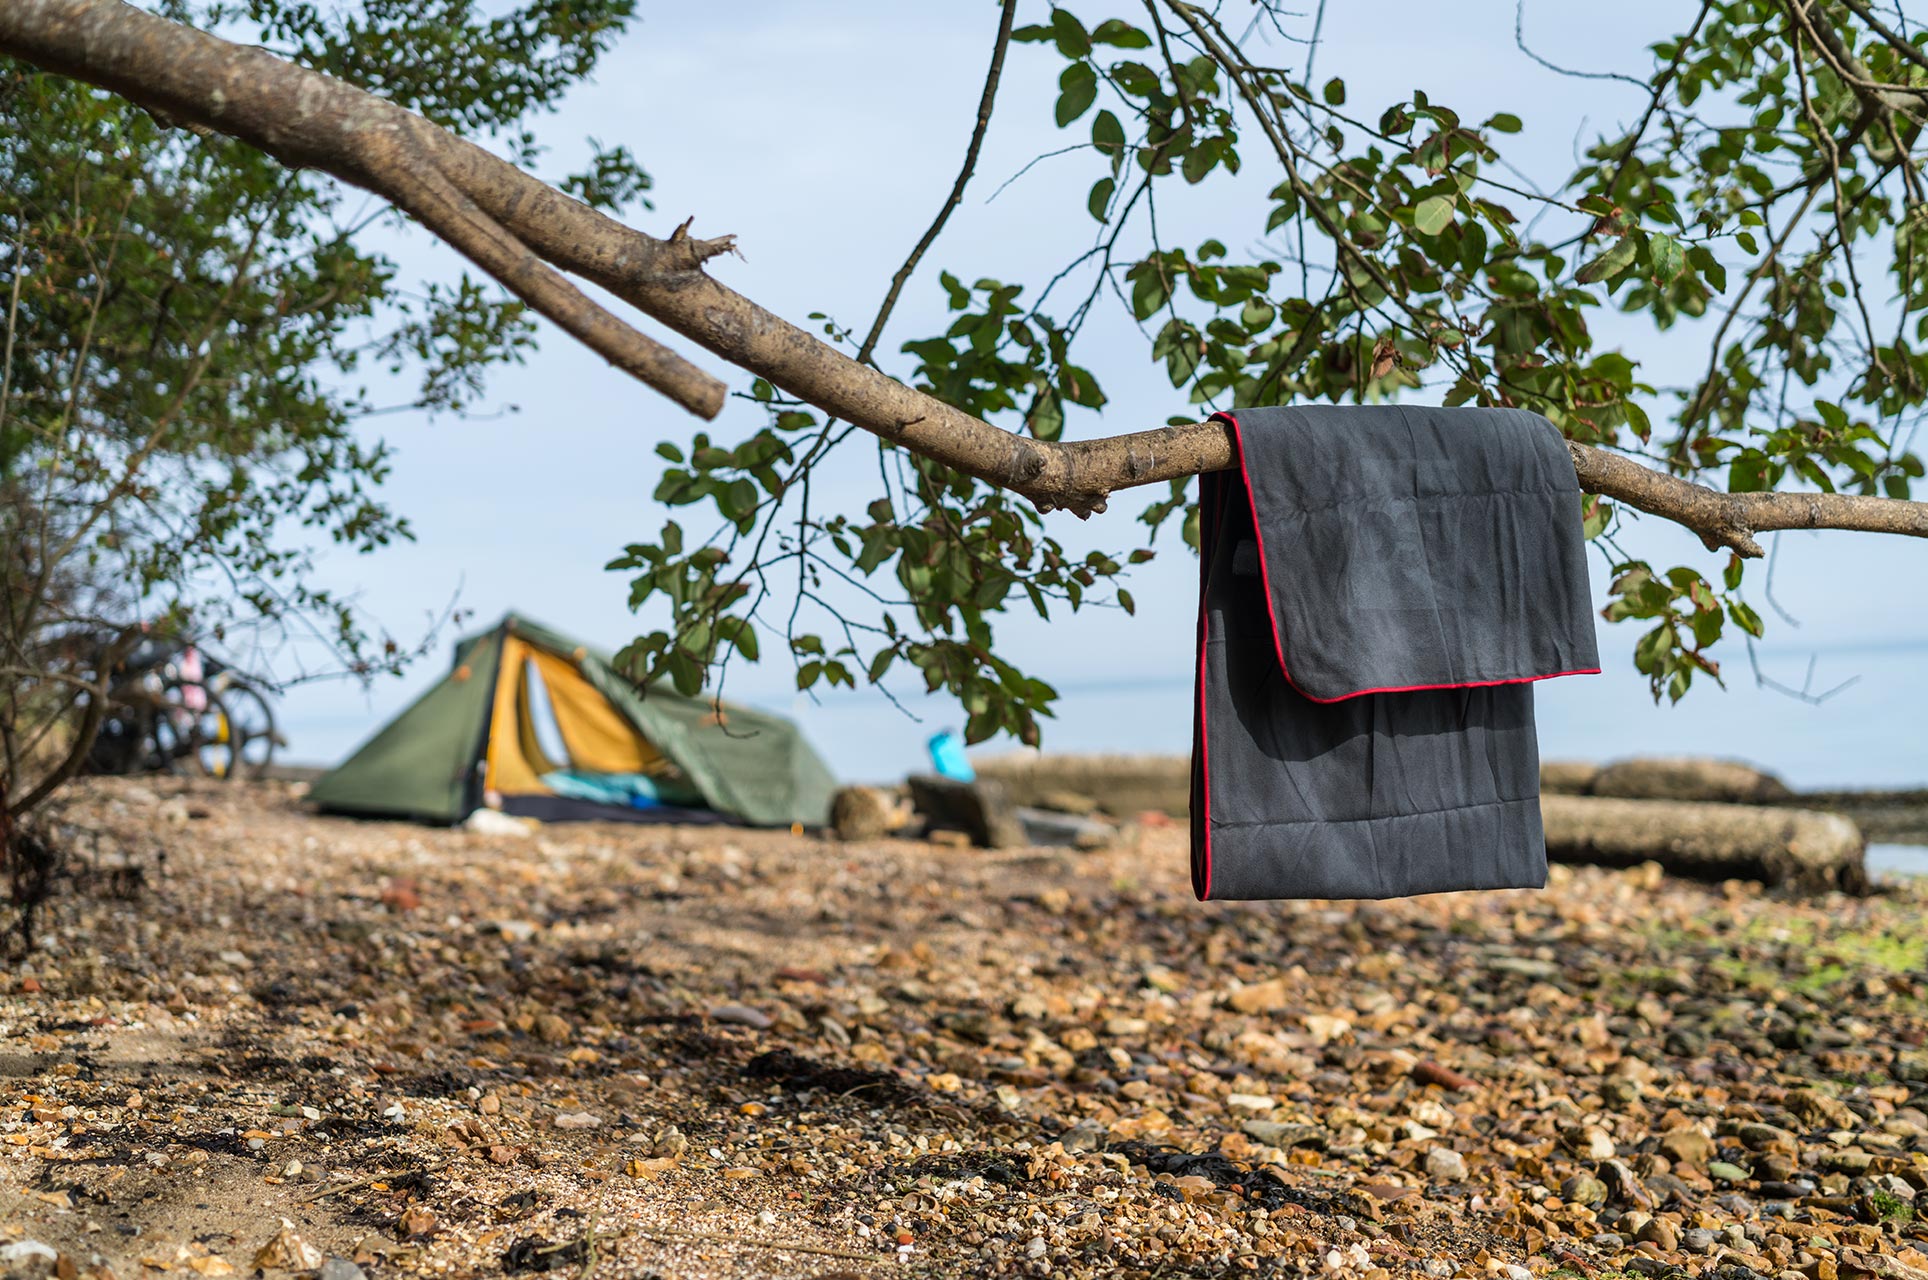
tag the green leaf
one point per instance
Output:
(1335, 92)
(807, 674)
(1668, 257)
(1148, 292)
(1504, 122)
(1072, 40)
(1108, 135)
(669, 452)
(1433, 214)
(740, 634)
(1080, 89)
(1617, 258)
(1100, 198)
(1119, 35)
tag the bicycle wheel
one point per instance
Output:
(251, 726)
(194, 741)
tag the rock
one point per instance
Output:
(861, 813)
(1623, 1185)
(1798, 848)
(1583, 1189)
(982, 810)
(1429, 1072)
(493, 822)
(1071, 802)
(1048, 829)
(1443, 1164)
(1251, 1104)
(287, 1252)
(1661, 1232)
(1260, 997)
(1726, 1171)
(27, 1252)
(1086, 1135)
(742, 1015)
(341, 1269)
(1607, 1242)
(1766, 1137)
(1274, 1134)
(1698, 1240)
(1816, 1108)
(1687, 1146)
(1590, 1143)
(577, 1120)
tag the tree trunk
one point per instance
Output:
(1798, 848)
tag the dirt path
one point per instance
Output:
(628, 1052)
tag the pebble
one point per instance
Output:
(24, 1251)
(1688, 1147)
(742, 1015)
(1256, 1104)
(577, 1120)
(1086, 1135)
(1583, 1189)
(1725, 1171)
(341, 1269)
(1659, 1231)
(1443, 1164)
(1698, 1240)
(1274, 1134)
(1607, 1242)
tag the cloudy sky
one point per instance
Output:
(825, 136)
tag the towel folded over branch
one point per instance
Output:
(1379, 586)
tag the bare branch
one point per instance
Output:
(309, 119)
(964, 172)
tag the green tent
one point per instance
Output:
(530, 722)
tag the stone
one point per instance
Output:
(1086, 1135)
(341, 1269)
(1726, 1171)
(577, 1120)
(1251, 1104)
(1697, 1240)
(1661, 1232)
(861, 813)
(1583, 1189)
(1687, 1146)
(1766, 1137)
(742, 1015)
(27, 1252)
(1443, 1164)
(1591, 1143)
(1259, 997)
(1274, 1134)
(982, 810)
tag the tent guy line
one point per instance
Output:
(511, 224)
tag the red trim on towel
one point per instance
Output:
(1278, 642)
(1203, 887)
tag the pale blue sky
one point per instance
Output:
(824, 136)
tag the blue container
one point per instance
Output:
(947, 757)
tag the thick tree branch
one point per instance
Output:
(311, 120)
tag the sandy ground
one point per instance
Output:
(632, 1051)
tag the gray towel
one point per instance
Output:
(1378, 588)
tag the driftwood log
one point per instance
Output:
(1666, 778)
(1798, 848)
(1122, 786)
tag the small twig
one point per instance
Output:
(359, 1183)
